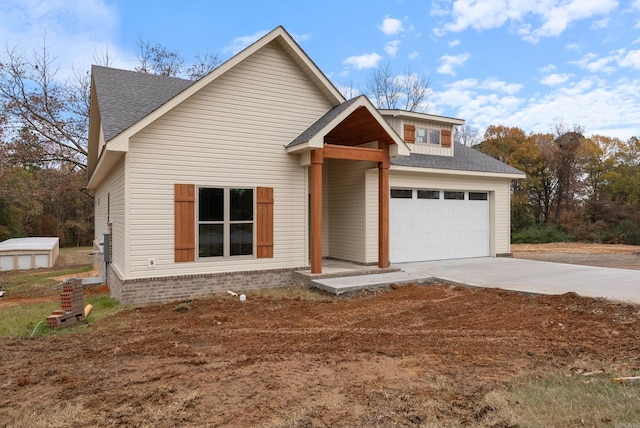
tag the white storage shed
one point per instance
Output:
(28, 253)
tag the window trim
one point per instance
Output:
(226, 223)
(427, 136)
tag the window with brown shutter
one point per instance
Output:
(409, 133)
(446, 138)
(185, 245)
(224, 221)
(264, 222)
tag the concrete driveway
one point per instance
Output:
(527, 276)
(533, 276)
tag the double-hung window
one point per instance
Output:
(225, 222)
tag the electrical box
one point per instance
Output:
(106, 246)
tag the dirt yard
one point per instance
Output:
(603, 255)
(409, 356)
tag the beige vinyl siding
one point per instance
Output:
(371, 202)
(347, 209)
(111, 196)
(325, 209)
(498, 189)
(231, 133)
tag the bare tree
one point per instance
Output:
(37, 105)
(388, 91)
(349, 90)
(203, 65)
(416, 89)
(157, 59)
(467, 135)
(383, 88)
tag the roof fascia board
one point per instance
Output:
(440, 171)
(423, 116)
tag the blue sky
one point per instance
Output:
(526, 63)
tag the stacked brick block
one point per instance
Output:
(71, 305)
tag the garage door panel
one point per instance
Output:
(434, 229)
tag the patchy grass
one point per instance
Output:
(21, 320)
(23, 280)
(564, 399)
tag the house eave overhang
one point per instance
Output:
(441, 171)
(404, 114)
(111, 154)
(317, 140)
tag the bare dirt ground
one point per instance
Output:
(603, 255)
(410, 356)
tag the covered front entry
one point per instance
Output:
(379, 155)
(354, 132)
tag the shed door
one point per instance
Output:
(437, 224)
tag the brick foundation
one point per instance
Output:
(145, 291)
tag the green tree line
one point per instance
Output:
(577, 187)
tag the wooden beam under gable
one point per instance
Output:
(331, 151)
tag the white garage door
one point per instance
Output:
(437, 224)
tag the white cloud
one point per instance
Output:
(550, 17)
(547, 68)
(301, 37)
(414, 55)
(242, 42)
(454, 43)
(555, 79)
(630, 59)
(390, 26)
(449, 62)
(74, 31)
(500, 86)
(607, 107)
(391, 48)
(601, 23)
(572, 47)
(363, 61)
(608, 64)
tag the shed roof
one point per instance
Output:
(26, 244)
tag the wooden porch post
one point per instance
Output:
(316, 210)
(383, 208)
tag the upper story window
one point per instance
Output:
(413, 134)
(427, 136)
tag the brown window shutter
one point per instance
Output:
(264, 222)
(185, 222)
(409, 133)
(446, 138)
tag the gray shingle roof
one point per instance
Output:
(317, 126)
(124, 97)
(464, 159)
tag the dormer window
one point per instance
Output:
(427, 136)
